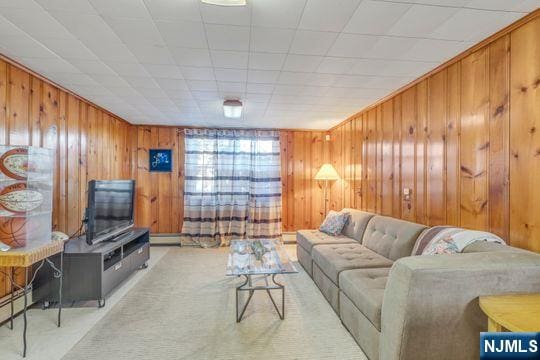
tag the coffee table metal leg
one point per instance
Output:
(24, 309)
(238, 289)
(282, 287)
(12, 279)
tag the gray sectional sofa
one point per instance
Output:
(398, 306)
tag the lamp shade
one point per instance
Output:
(327, 172)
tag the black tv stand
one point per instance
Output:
(92, 271)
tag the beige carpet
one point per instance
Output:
(184, 309)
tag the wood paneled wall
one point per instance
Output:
(160, 195)
(90, 143)
(465, 140)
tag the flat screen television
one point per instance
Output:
(110, 209)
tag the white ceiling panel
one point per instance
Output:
(335, 65)
(229, 59)
(293, 63)
(270, 40)
(302, 63)
(327, 15)
(352, 45)
(227, 37)
(307, 42)
(420, 20)
(375, 17)
(174, 33)
(266, 61)
(277, 13)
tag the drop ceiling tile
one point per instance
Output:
(152, 93)
(387, 82)
(287, 77)
(287, 89)
(451, 3)
(183, 33)
(191, 57)
(315, 90)
(277, 13)
(202, 85)
(109, 51)
(260, 88)
(470, 25)
(270, 40)
(164, 71)
(71, 78)
(421, 20)
(42, 65)
(235, 75)
(86, 27)
(321, 79)
(136, 31)
(351, 81)
(36, 23)
(390, 47)
(133, 9)
(231, 87)
(141, 82)
(197, 73)
(227, 37)
(307, 42)
(78, 6)
(302, 63)
(25, 46)
(91, 66)
(229, 59)
(19, 4)
(127, 68)
(391, 67)
(504, 5)
(110, 80)
(174, 9)
(266, 61)
(262, 76)
(352, 45)
(327, 15)
(375, 17)
(152, 54)
(335, 65)
(68, 48)
(435, 50)
(172, 84)
(226, 15)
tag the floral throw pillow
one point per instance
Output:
(334, 223)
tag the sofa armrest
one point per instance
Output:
(430, 308)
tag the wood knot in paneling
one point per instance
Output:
(532, 130)
(499, 110)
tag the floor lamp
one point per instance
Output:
(326, 172)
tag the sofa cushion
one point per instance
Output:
(358, 220)
(391, 238)
(309, 238)
(365, 288)
(333, 259)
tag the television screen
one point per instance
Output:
(110, 208)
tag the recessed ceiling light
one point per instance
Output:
(225, 2)
(232, 109)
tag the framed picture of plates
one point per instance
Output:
(26, 186)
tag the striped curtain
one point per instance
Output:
(232, 186)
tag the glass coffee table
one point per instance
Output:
(259, 261)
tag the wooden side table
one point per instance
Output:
(516, 313)
(26, 258)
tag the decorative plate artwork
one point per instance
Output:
(18, 199)
(14, 163)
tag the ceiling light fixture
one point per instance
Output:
(225, 2)
(232, 109)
